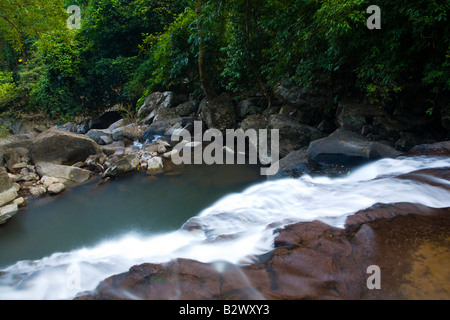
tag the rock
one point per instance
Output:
(156, 100)
(167, 127)
(16, 158)
(434, 149)
(313, 261)
(62, 147)
(65, 174)
(118, 124)
(48, 181)
(218, 113)
(255, 121)
(353, 116)
(126, 163)
(7, 212)
(132, 132)
(56, 188)
(445, 118)
(187, 109)
(291, 93)
(170, 154)
(105, 120)
(388, 129)
(254, 105)
(294, 164)
(19, 202)
(293, 134)
(347, 148)
(7, 190)
(37, 191)
(69, 126)
(102, 137)
(154, 165)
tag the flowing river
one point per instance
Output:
(57, 248)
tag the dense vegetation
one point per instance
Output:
(128, 48)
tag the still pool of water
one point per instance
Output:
(89, 214)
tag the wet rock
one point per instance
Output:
(434, 149)
(118, 124)
(313, 260)
(347, 148)
(294, 165)
(155, 165)
(62, 147)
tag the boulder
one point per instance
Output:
(155, 165)
(7, 190)
(186, 109)
(353, 116)
(154, 101)
(218, 113)
(100, 136)
(255, 121)
(167, 127)
(293, 134)
(434, 149)
(62, 147)
(445, 118)
(124, 164)
(56, 188)
(254, 105)
(7, 212)
(65, 174)
(347, 148)
(16, 158)
(132, 132)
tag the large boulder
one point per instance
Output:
(62, 147)
(353, 116)
(65, 174)
(347, 148)
(154, 101)
(100, 136)
(218, 113)
(7, 212)
(293, 134)
(249, 106)
(7, 190)
(132, 132)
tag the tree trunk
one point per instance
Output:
(250, 64)
(207, 88)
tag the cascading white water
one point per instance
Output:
(241, 217)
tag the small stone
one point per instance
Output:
(56, 188)
(37, 191)
(19, 202)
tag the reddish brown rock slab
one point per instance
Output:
(311, 260)
(434, 149)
